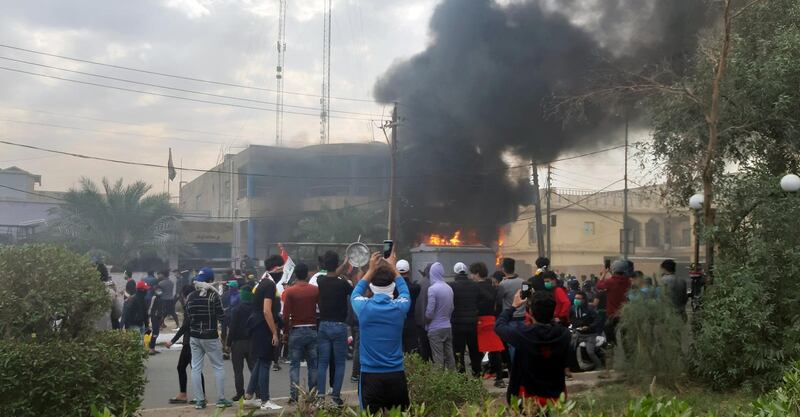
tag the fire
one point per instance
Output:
(501, 239)
(441, 240)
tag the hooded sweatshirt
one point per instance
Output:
(380, 321)
(541, 354)
(422, 301)
(440, 301)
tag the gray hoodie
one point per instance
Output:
(440, 300)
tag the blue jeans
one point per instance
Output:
(302, 345)
(331, 335)
(259, 379)
(213, 349)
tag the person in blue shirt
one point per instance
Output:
(381, 317)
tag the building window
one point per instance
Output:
(652, 233)
(532, 234)
(588, 228)
(686, 238)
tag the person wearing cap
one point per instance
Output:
(616, 289)
(383, 384)
(204, 309)
(136, 317)
(410, 340)
(465, 320)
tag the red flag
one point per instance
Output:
(284, 254)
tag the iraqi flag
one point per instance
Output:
(171, 172)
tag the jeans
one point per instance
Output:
(442, 347)
(259, 379)
(213, 349)
(183, 361)
(332, 339)
(302, 346)
(591, 342)
(515, 323)
(240, 352)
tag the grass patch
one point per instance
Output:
(612, 399)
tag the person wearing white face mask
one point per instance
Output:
(380, 317)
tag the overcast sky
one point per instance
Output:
(230, 41)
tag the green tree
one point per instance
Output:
(342, 226)
(120, 221)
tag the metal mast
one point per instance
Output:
(279, 74)
(325, 101)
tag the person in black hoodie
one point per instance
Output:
(410, 338)
(136, 316)
(488, 341)
(586, 322)
(238, 339)
(541, 350)
(464, 320)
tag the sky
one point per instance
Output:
(229, 41)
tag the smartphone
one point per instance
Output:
(607, 263)
(526, 291)
(388, 246)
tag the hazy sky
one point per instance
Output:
(230, 41)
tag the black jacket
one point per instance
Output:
(136, 313)
(465, 302)
(237, 327)
(204, 311)
(585, 316)
(541, 354)
(487, 298)
(414, 289)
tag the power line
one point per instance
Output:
(587, 208)
(181, 77)
(183, 90)
(169, 95)
(585, 197)
(569, 158)
(32, 193)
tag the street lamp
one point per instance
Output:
(790, 183)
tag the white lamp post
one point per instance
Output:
(790, 183)
(696, 201)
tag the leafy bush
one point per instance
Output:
(41, 285)
(66, 377)
(441, 390)
(750, 324)
(652, 335)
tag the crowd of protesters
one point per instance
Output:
(497, 326)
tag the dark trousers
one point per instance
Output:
(155, 327)
(410, 340)
(496, 365)
(383, 391)
(169, 311)
(356, 352)
(611, 329)
(466, 337)
(183, 361)
(240, 352)
(424, 345)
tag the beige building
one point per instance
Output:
(586, 229)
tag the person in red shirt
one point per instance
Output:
(616, 288)
(561, 314)
(300, 309)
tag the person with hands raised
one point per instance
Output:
(381, 317)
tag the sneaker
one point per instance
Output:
(253, 403)
(337, 401)
(226, 357)
(354, 379)
(223, 403)
(276, 367)
(236, 398)
(499, 384)
(292, 401)
(269, 405)
(200, 405)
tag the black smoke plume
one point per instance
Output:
(480, 90)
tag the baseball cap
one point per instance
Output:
(403, 266)
(460, 268)
(205, 275)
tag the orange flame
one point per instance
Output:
(441, 240)
(501, 239)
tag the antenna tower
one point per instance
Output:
(325, 100)
(279, 74)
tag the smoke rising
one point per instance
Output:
(480, 90)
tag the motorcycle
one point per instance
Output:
(579, 357)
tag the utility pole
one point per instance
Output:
(537, 207)
(392, 221)
(626, 235)
(279, 73)
(547, 200)
(325, 100)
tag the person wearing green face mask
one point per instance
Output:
(586, 322)
(561, 315)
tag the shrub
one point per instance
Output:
(441, 390)
(652, 335)
(66, 377)
(41, 285)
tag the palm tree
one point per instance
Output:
(342, 226)
(121, 222)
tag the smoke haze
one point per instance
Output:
(480, 91)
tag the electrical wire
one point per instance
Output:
(587, 209)
(131, 90)
(182, 90)
(181, 77)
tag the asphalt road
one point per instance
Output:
(162, 379)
